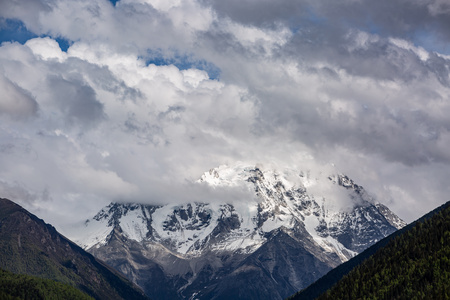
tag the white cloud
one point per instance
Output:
(46, 48)
(419, 51)
(105, 121)
(154, 141)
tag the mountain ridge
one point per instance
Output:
(184, 223)
(30, 246)
(336, 276)
(204, 250)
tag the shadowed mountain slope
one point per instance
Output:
(30, 246)
(412, 263)
(285, 231)
(21, 286)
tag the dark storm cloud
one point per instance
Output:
(378, 59)
(402, 18)
(262, 13)
(76, 100)
(386, 122)
(100, 76)
(15, 101)
(144, 131)
(398, 18)
(359, 115)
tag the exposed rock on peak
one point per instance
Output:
(301, 225)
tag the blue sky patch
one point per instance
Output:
(431, 42)
(12, 30)
(114, 2)
(64, 44)
(183, 62)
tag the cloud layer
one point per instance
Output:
(151, 94)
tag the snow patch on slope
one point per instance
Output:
(94, 233)
(326, 205)
(328, 243)
(185, 231)
(134, 225)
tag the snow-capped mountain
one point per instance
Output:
(294, 227)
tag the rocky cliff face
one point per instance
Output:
(295, 228)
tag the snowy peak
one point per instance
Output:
(286, 230)
(132, 220)
(392, 218)
(179, 227)
(194, 216)
(336, 213)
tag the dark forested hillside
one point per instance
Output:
(414, 264)
(20, 286)
(30, 246)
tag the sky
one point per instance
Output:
(133, 100)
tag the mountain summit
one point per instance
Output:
(294, 228)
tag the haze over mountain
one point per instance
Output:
(296, 227)
(132, 100)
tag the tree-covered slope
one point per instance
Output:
(21, 286)
(412, 264)
(30, 246)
